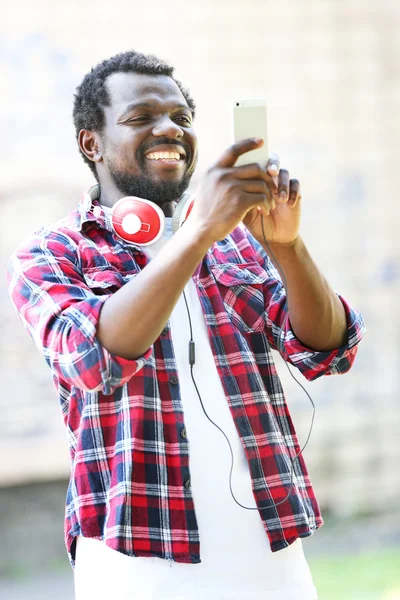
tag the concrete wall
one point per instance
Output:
(330, 72)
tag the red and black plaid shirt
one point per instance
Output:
(129, 462)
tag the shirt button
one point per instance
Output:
(173, 380)
(187, 484)
(183, 433)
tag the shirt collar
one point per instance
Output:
(90, 210)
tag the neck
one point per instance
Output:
(169, 207)
(109, 194)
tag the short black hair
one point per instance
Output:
(92, 95)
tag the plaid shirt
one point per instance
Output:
(124, 418)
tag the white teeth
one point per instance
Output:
(163, 155)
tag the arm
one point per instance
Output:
(316, 313)
(96, 343)
(280, 331)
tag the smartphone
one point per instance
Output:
(250, 120)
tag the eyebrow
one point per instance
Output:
(135, 105)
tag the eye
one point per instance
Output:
(140, 119)
(184, 119)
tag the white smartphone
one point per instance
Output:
(250, 120)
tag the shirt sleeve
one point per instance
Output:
(311, 363)
(61, 313)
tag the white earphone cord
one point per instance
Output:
(192, 361)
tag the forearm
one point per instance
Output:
(133, 318)
(316, 313)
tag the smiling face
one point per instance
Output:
(148, 146)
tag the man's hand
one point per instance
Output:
(280, 212)
(227, 193)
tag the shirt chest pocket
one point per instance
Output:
(105, 280)
(241, 289)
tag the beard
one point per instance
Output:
(144, 186)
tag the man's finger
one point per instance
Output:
(283, 187)
(294, 193)
(231, 154)
(250, 171)
(256, 186)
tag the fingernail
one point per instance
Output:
(273, 168)
(258, 140)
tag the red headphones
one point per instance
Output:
(136, 220)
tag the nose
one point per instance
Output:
(166, 127)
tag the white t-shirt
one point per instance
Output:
(237, 561)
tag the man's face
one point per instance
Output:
(149, 145)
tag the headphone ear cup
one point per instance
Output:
(138, 221)
(182, 211)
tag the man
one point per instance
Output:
(150, 475)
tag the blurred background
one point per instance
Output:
(330, 72)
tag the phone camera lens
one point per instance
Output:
(237, 103)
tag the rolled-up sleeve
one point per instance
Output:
(61, 313)
(312, 363)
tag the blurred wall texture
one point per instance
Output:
(329, 70)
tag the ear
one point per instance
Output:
(89, 144)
